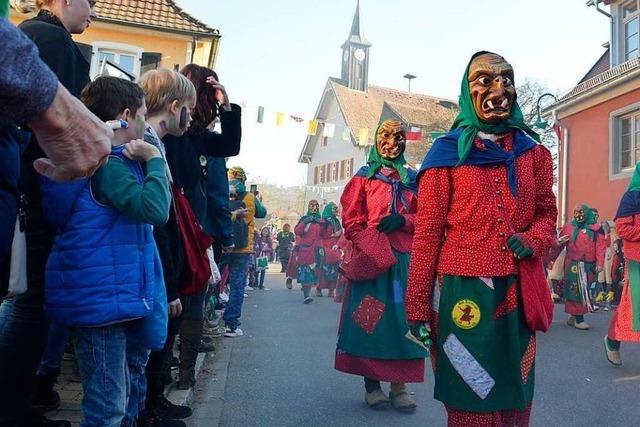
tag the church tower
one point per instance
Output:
(355, 56)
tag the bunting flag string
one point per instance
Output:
(361, 136)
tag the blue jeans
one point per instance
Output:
(22, 338)
(112, 371)
(238, 268)
(56, 343)
(6, 307)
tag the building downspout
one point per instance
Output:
(565, 166)
(193, 48)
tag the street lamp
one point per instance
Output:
(540, 123)
(409, 77)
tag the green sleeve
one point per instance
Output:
(261, 211)
(149, 201)
(4, 8)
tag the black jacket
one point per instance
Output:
(187, 157)
(58, 50)
(61, 54)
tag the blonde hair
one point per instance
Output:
(163, 86)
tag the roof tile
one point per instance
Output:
(162, 14)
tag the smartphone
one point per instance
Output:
(253, 189)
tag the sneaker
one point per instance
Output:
(571, 321)
(232, 333)
(332, 294)
(248, 288)
(224, 297)
(289, 284)
(163, 408)
(319, 292)
(308, 300)
(246, 295)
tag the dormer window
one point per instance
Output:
(631, 29)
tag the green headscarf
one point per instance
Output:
(4, 8)
(328, 215)
(468, 119)
(634, 182)
(589, 219)
(314, 217)
(375, 162)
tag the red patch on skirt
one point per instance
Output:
(529, 356)
(509, 304)
(368, 313)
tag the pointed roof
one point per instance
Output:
(363, 110)
(356, 36)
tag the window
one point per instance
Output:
(348, 168)
(631, 29)
(124, 56)
(321, 174)
(334, 171)
(342, 168)
(325, 141)
(626, 141)
(315, 175)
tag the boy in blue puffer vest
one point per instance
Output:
(104, 276)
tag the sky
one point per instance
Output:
(279, 54)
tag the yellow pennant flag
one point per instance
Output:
(364, 137)
(280, 119)
(312, 128)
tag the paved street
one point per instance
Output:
(281, 374)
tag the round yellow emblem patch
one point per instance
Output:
(466, 314)
(574, 269)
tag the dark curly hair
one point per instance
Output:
(206, 109)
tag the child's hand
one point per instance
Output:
(140, 151)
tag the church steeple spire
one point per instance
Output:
(357, 35)
(355, 56)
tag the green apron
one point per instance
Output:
(485, 352)
(374, 322)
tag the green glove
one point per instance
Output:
(391, 223)
(520, 246)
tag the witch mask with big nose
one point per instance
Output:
(491, 87)
(391, 139)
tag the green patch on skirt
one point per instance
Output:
(485, 352)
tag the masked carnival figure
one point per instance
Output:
(310, 231)
(625, 323)
(378, 208)
(585, 251)
(486, 215)
(330, 254)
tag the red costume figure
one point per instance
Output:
(585, 246)
(486, 210)
(625, 323)
(310, 231)
(330, 256)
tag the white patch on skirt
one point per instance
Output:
(476, 377)
(488, 281)
(435, 303)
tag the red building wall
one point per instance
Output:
(588, 165)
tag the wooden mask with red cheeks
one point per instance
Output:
(491, 87)
(578, 214)
(391, 139)
(314, 207)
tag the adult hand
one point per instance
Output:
(75, 141)
(520, 246)
(140, 150)
(221, 93)
(599, 269)
(391, 223)
(562, 240)
(175, 308)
